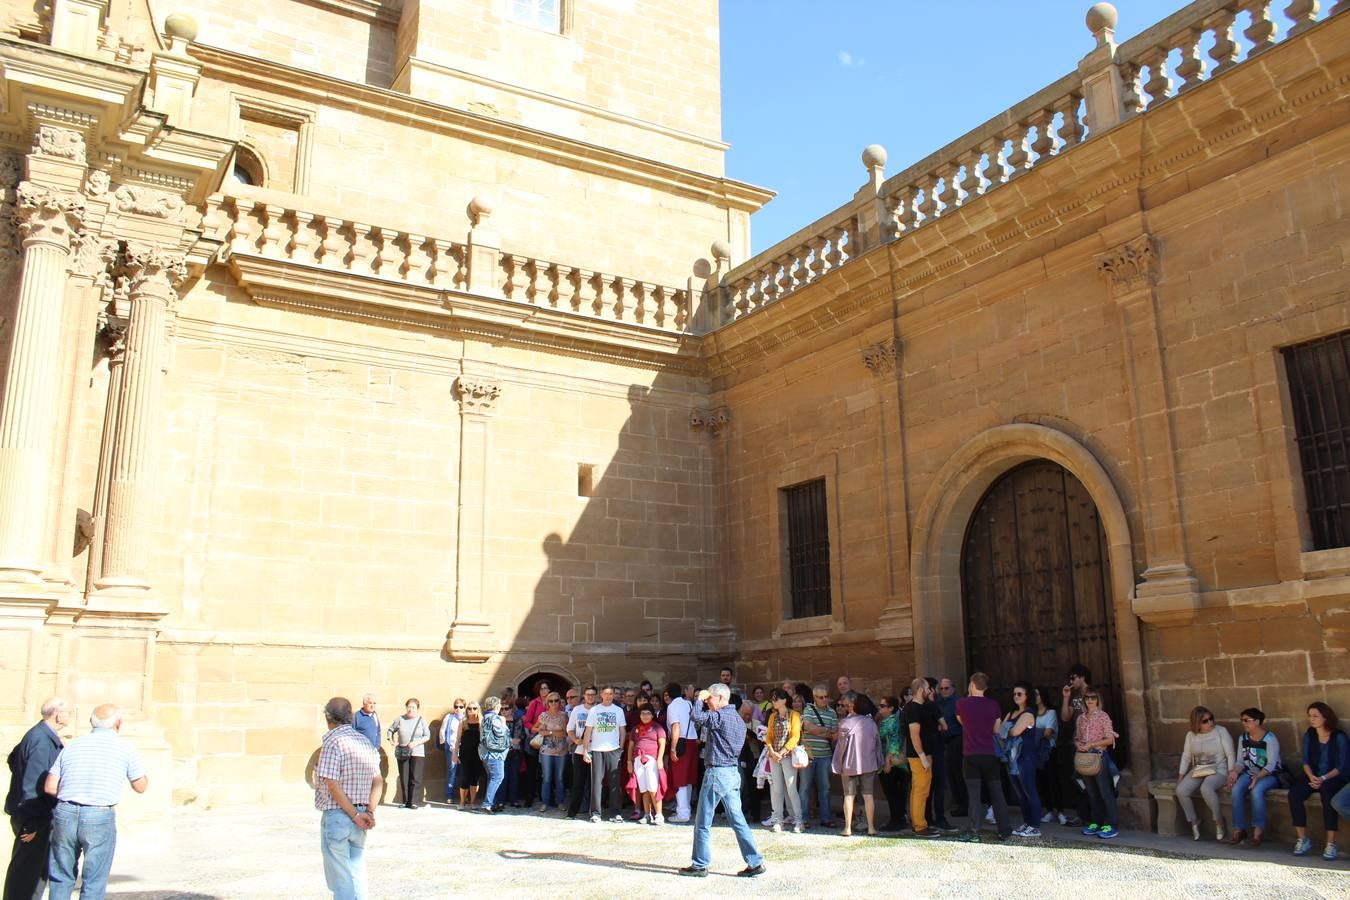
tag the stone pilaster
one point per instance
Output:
(895, 625)
(48, 222)
(1169, 591)
(123, 585)
(715, 632)
(472, 637)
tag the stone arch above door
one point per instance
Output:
(939, 533)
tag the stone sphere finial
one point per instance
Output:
(181, 25)
(479, 207)
(1101, 17)
(721, 250)
(874, 156)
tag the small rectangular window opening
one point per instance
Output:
(585, 479)
(808, 549)
(1319, 390)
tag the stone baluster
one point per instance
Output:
(1019, 160)
(785, 283)
(333, 244)
(815, 247)
(1044, 145)
(245, 233)
(533, 272)
(1132, 97)
(389, 257)
(48, 222)
(361, 255)
(1191, 69)
(445, 264)
(276, 235)
(132, 503)
(972, 185)
(740, 292)
(642, 302)
(1225, 50)
(598, 287)
(836, 256)
(945, 197)
(553, 275)
(416, 261)
(304, 241)
(997, 172)
(1070, 132)
(620, 287)
(928, 206)
(680, 301)
(1159, 84)
(1303, 13)
(569, 287)
(901, 208)
(1261, 32)
(583, 290)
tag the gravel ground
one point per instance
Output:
(440, 852)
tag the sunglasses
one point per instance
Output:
(1208, 719)
(459, 706)
(555, 700)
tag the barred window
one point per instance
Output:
(808, 548)
(1319, 387)
(545, 15)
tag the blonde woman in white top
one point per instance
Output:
(1205, 761)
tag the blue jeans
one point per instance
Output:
(1341, 802)
(551, 792)
(451, 776)
(818, 773)
(1241, 788)
(722, 784)
(1028, 794)
(1101, 791)
(344, 847)
(91, 830)
(496, 772)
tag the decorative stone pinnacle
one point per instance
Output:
(721, 250)
(181, 26)
(1101, 21)
(480, 209)
(874, 157)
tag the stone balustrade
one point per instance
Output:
(264, 229)
(1205, 39)
(1165, 60)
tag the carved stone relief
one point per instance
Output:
(1129, 267)
(714, 420)
(61, 143)
(476, 394)
(881, 358)
(147, 201)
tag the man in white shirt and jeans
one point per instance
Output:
(606, 728)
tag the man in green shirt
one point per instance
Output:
(820, 724)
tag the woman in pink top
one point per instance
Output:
(1094, 733)
(647, 777)
(857, 756)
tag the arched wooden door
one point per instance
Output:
(1035, 583)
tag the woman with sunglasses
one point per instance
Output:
(1024, 758)
(1258, 770)
(449, 734)
(895, 771)
(551, 724)
(1094, 733)
(470, 765)
(1206, 758)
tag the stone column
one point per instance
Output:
(131, 490)
(895, 625)
(715, 633)
(48, 220)
(472, 637)
(1169, 591)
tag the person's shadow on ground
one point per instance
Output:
(590, 861)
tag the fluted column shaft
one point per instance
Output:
(131, 489)
(48, 221)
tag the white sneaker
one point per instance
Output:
(1063, 819)
(658, 819)
(618, 819)
(543, 807)
(798, 829)
(767, 823)
(595, 818)
(989, 815)
(776, 828)
(1029, 832)
(680, 818)
(1048, 817)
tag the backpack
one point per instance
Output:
(496, 737)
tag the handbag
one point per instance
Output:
(800, 758)
(1203, 771)
(402, 752)
(537, 741)
(1087, 762)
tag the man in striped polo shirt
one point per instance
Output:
(87, 781)
(347, 787)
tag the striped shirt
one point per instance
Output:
(94, 769)
(347, 758)
(816, 745)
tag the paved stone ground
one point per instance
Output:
(441, 852)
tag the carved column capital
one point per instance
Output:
(1130, 267)
(476, 394)
(881, 358)
(154, 272)
(714, 420)
(48, 217)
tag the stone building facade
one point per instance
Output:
(416, 349)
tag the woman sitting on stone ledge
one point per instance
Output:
(1258, 770)
(1326, 761)
(1206, 759)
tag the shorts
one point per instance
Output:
(868, 780)
(647, 771)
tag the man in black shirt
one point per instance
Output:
(29, 807)
(921, 742)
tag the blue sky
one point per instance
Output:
(807, 85)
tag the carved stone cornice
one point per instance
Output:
(154, 273)
(714, 421)
(48, 217)
(881, 358)
(1130, 267)
(476, 395)
(147, 201)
